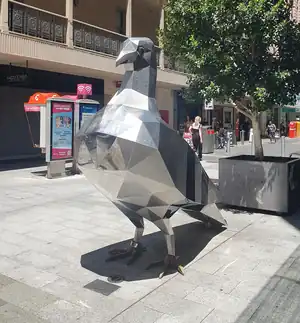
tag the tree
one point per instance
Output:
(245, 52)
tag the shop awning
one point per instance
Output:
(38, 99)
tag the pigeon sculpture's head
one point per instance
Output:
(140, 52)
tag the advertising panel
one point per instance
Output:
(87, 111)
(62, 127)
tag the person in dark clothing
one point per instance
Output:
(196, 131)
(282, 129)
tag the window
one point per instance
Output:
(121, 28)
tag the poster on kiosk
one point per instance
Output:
(60, 129)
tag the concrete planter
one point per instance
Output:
(272, 184)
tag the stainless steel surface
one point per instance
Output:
(242, 134)
(228, 144)
(208, 142)
(135, 159)
(56, 169)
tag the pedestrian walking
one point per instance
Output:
(271, 130)
(196, 131)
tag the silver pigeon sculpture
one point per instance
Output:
(138, 162)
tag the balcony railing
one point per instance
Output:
(100, 40)
(96, 39)
(31, 21)
(34, 22)
(175, 65)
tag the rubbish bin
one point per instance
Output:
(292, 129)
(208, 138)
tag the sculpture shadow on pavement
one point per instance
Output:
(191, 239)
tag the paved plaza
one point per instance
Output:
(56, 234)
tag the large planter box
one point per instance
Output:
(272, 184)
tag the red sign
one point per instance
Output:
(164, 115)
(31, 108)
(84, 89)
(118, 84)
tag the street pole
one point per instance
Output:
(242, 135)
(282, 138)
(228, 143)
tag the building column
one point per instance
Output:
(69, 16)
(161, 27)
(4, 16)
(129, 18)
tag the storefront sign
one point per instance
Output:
(287, 109)
(19, 78)
(209, 105)
(87, 111)
(62, 121)
(84, 89)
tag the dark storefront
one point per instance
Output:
(184, 109)
(16, 86)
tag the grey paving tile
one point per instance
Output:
(5, 280)
(105, 310)
(62, 311)
(168, 319)
(10, 313)
(217, 316)
(18, 228)
(132, 291)
(73, 272)
(38, 260)
(7, 265)
(77, 234)
(2, 302)
(26, 297)
(46, 226)
(77, 225)
(12, 237)
(44, 236)
(32, 276)
(177, 287)
(249, 288)
(69, 242)
(183, 309)
(213, 261)
(9, 249)
(139, 313)
(218, 300)
(223, 283)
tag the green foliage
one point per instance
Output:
(234, 48)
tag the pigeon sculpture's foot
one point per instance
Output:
(134, 252)
(170, 264)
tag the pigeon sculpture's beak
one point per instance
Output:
(126, 56)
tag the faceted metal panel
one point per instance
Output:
(132, 156)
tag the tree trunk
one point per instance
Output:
(258, 147)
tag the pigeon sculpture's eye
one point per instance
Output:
(141, 50)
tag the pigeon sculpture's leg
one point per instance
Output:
(171, 261)
(135, 249)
